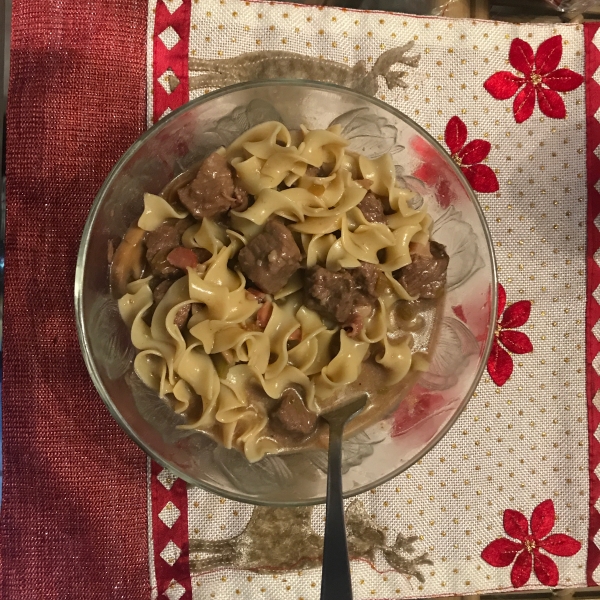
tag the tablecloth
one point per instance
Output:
(508, 498)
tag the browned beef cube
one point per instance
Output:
(271, 258)
(182, 316)
(331, 292)
(159, 244)
(366, 277)
(340, 294)
(161, 289)
(425, 276)
(240, 195)
(213, 191)
(293, 416)
(371, 207)
(166, 237)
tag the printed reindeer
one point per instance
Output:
(282, 539)
(272, 64)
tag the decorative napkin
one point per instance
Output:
(504, 499)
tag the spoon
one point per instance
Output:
(336, 583)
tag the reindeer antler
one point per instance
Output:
(383, 65)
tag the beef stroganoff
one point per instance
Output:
(278, 277)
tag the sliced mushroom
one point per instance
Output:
(128, 260)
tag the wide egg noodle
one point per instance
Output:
(382, 173)
(249, 346)
(366, 240)
(323, 146)
(137, 300)
(397, 255)
(197, 369)
(185, 397)
(289, 376)
(151, 368)
(163, 328)
(325, 221)
(424, 236)
(292, 204)
(286, 164)
(316, 248)
(398, 288)
(156, 211)
(343, 369)
(132, 306)
(244, 226)
(214, 290)
(233, 395)
(243, 423)
(305, 354)
(396, 359)
(207, 234)
(329, 189)
(375, 325)
(338, 257)
(252, 436)
(260, 161)
(323, 354)
(279, 328)
(260, 141)
(406, 230)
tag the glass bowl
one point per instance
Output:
(377, 453)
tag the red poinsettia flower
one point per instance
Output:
(540, 77)
(469, 156)
(527, 548)
(500, 363)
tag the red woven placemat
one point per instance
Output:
(74, 499)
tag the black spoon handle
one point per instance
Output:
(336, 583)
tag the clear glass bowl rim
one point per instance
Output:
(83, 247)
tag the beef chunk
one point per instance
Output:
(160, 290)
(182, 316)
(271, 258)
(371, 207)
(166, 237)
(159, 244)
(293, 416)
(162, 241)
(342, 294)
(366, 277)
(425, 276)
(240, 195)
(214, 190)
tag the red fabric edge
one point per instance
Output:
(592, 88)
(175, 59)
(179, 534)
